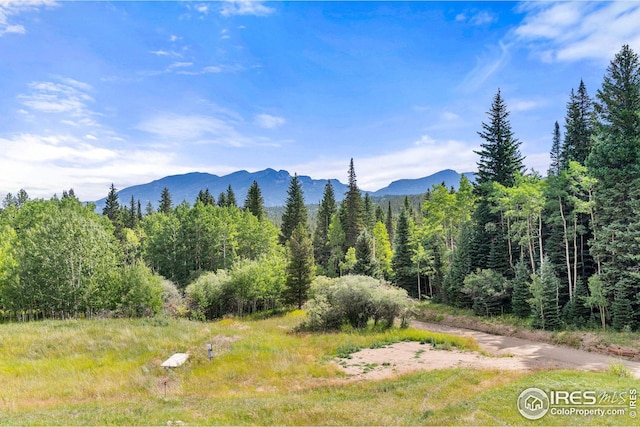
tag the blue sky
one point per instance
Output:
(131, 91)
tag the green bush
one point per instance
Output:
(354, 300)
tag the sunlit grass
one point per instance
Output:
(107, 372)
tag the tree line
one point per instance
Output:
(558, 250)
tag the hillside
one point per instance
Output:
(273, 185)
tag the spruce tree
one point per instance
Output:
(166, 205)
(295, 211)
(613, 161)
(366, 264)
(222, 200)
(231, 198)
(578, 128)
(328, 207)
(521, 292)
(401, 262)
(388, 223)
(544, 301)
(300, 269)
(555, 154)
(368, 213)
(461, 267)
(111, 205)
(499, 161)
(254, 201)
(500, 155)
(351, 212)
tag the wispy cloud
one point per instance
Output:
(170, 53)
(67, 97)
(570, 31)
(476, 18)
(11, 8)
(222, 129)
(268, 121)
(486, 66)
(245, 7)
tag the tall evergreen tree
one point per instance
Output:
(366, 263)
(500, 159)
(254, 201)
(139, 211)
(300, 269)
(328, 207)
(401, 262)
(521, 292)
(165, 202)
(461, 267)
(613, 161)
(295, 211)
(205, 198)
(368, 213)
(231, 197)
(111, 205)
(132, 219)
(578, 127)
(555, 155)
(544, 301)
(388, 223)
(500, 153)
(222, 200)
(351, 212)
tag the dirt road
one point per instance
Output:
(536, 355)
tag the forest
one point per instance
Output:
(562, 250)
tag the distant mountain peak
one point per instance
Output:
(273, 186)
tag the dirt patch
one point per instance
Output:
(406, 357)
(579, 340)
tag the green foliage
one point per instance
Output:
(521, 292)
(488, 290)
(544, 303)
(295, 212)
(354, 300)
(351, 211)
(403, 251)
(461, 267)
(301, 267)
(139, 292)
(254, 201)
(209, 296)
(165, 204)
(366, 262)
(598, 298)
(321, 247)
(336, 243)
(383, 252)
(578, 128)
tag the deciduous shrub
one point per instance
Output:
(354, 300)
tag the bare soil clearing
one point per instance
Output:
(501, 352)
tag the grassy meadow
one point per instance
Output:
(107, 372)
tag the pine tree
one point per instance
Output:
(366, 263)
(389, 222)
(613, 161)
(295, 211)
(368, 213)
(351, 211)
(544, 301)
(500, 159)
(132, 218)
(578, 128)
(321, 248)
(254, 201)
(205, 198)
(500, 155)
(300, 269)
(555, 155)
(335, 241)
(139, 211)
(231, 198)
(111, 205)
(401, 262)
(149, 208)
(222, 200)
(521, 292)
(461, 267)
(166, 205)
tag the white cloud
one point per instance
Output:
(66, 96)
(245, 7)
(571, 31)
(476, 18)
(423, 158)
(202, 129)
(12, 8)
(517, 105)
(487, 65)
(268, 121)
(170, 53)
(449, 116)
(47, 164)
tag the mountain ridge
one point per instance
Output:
(273, 186)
